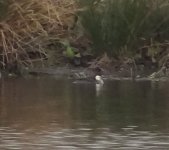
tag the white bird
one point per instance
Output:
(99, 84)
(99, 80)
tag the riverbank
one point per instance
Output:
(81, 73)
(93, 48)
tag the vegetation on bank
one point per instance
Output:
(49, 29)
(28, 26)
(118, 26)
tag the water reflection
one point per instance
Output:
(99, 88)
(46, 113)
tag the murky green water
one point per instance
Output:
(52, 114)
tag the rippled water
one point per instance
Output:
(52, 114)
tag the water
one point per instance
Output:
(51, 114)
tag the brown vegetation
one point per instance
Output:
(29, 25)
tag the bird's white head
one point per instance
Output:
(99, 79)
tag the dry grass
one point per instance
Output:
(31, 23)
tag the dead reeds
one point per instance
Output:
(29, 24)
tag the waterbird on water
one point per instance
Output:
(99, 84)
(99, 80)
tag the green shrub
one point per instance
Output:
(117, 25)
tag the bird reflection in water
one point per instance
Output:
(99, 84)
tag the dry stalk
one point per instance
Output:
(29, 25)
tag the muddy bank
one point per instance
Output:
(88, 73)
(108, 68)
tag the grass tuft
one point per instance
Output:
(116, 26)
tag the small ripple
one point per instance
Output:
(82, 138)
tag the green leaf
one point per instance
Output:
(69, 52)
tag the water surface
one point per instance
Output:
(50, 114)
